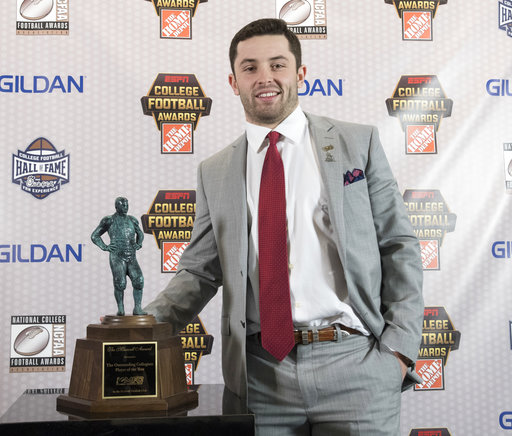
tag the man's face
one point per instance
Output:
(266, 79)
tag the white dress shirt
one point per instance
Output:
(318, 289)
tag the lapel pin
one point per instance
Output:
(328, 155)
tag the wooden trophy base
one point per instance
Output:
(89, 385)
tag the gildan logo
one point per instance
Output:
(38, 253)
(41, 84)
(325, 87)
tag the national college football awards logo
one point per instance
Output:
(176, 102)
(431, 219)
(171, 220)
(40, 170)
(306, 18)
(505, 16)
(417, 18)
(420, 103)
(42, 17)
(38, 343)
(438, 338)
(176, 17)
(195, 342)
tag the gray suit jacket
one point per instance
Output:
(376, 244)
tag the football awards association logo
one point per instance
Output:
(417, 18)
(176, 17)
(420, 103)
(306, 18)
(38, 343)
(40, 170)
(42, 17)
(176, 102)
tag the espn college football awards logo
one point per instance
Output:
(42, 17)
(40, 170)
(417, 17)
(420, 103)
(176, 102)
(431, 219)
(171, 220)
(38, 343)
(195, 342)
(306, 18)
(438, 338)
(176, 17)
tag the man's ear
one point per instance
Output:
(233, 84)
(301, 75)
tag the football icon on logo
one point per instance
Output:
(41, 147)
(35, 9)
(31, 341)
(295, 11)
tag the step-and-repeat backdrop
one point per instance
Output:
(100, 99)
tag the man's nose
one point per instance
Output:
(265, 76)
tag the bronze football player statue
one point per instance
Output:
(125, 239)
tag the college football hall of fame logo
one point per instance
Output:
(176, 17)
(176, 102)
(171, 220)
(431, 219)
(417, 16)
(40, 170)
(420, 103)
(438, 339)
(505, 16)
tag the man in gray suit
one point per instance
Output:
(353, 315)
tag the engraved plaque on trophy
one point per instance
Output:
(129, 369)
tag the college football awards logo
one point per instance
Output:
(38, 343)
(176, 17)
(420, 103)
(171, 220)
(40, 170)
(42, 17)
(176, 102)
(416, 18)
(195, 342)
(431, 219)
(306, 18)
(505, 16)
(438, 338)
(429, 432)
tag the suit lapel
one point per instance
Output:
(330, 150)
(236, 195)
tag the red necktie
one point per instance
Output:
(275, 308)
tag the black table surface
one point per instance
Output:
(35, 413)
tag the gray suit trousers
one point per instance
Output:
(348, 387)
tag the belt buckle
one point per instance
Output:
(305, 337)
(343, 333)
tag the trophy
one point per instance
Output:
(128, 364)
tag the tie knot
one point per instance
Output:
(273, 137)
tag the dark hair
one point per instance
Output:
(266, 26)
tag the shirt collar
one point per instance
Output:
(292, 127)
